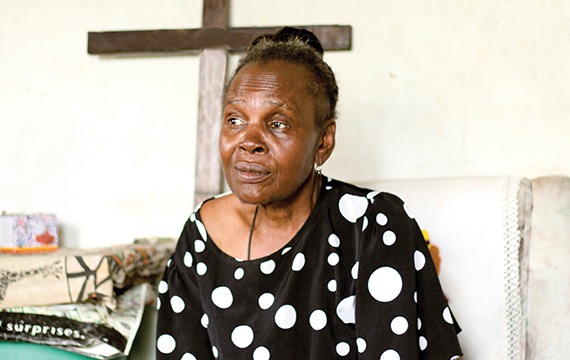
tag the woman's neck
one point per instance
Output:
(297, 208)
(277, 224)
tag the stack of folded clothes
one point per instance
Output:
(89, 302)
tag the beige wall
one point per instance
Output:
(430, 89)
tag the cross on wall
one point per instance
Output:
(214, 40)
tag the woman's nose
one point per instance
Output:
(253, 140)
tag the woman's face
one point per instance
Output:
(268, 139)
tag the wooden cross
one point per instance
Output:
(214, 40)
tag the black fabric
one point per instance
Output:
(356, 282)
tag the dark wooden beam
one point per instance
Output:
(215, 14)
(214, 40)
(332, 37)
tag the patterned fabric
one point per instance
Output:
(356, 281)
(141, 262)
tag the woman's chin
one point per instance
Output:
(249, 194)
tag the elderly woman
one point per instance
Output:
(291, 264)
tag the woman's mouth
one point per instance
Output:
(251, 173)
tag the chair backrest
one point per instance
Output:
(548, 259)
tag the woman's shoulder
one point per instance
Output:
(376, 197)
(225, 219)
(219, 213)
(218, 205)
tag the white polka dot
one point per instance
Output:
(188, 356)
(177, 304)
(455, 357)
(222, 297)
(266, 300)
(364, 223)
(242, 336)
(205, 321)
(447, 316)
(407, 210)
(162, 287)
(298, 262)
(342, 348)
(168, 262)
(354, 270)
(416, 297)
(419, 323)
(419, 260)
(352, 207)
(423, 343)
(385, 284)
(188, 259)
(202, 230)
(267, 267)
(371, 195)
(333, 259)
(361, 345)
(239, 273)
(199, 246)
(158, 303)
(381, 219)
(286, 317)
(318, 320)
(286, 250)
(390, 355)
(399, 325)
(261, 353)
(389, 238)
(193, 217)
(346, 310)
(165, 344)
(215, 351)
(334, 241)
(201, 268)
(332, 285)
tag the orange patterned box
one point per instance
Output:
(24, 233)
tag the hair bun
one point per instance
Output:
(289, 33)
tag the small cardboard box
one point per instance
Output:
(24, 233)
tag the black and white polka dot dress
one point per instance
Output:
(356, 282)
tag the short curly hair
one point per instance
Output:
(301, 47)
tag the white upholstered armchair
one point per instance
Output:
(504, 244)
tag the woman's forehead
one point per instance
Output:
(270, 77)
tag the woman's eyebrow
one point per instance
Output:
(274, 103)
(235, 101)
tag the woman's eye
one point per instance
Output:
(235, 121)
(278, 125)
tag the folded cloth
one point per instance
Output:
(142, 261)
(75, 275)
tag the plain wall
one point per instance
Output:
(429, 89)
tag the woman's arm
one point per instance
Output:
(182, 323)
(400, 307)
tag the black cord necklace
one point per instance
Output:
(251, 233)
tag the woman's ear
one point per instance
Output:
(327, 142)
